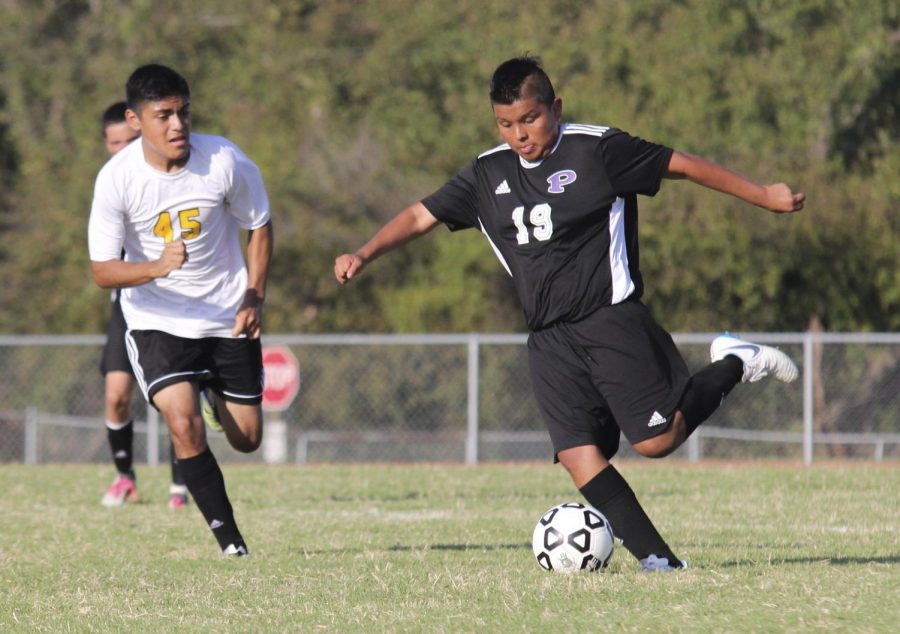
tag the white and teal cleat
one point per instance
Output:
(759, 361)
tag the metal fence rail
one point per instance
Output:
(462, 398)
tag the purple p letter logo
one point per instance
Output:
(559, 180)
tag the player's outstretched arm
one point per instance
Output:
(409, 224)
(260, 244)
(120, 274)
(777, 198)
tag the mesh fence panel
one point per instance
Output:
(407, 398)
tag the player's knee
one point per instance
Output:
(186, 432)
(119, 403)
(571, 462)
(567, 462)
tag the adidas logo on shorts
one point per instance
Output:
(656, 419)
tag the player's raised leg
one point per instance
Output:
(733, 361)
(232, 399)
(242, 423)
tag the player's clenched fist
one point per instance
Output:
(347, 266)
(173, 256)
(780, 199)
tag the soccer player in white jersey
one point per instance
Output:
(176, 202)
(118, 378)
(558, 203)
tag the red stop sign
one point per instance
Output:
(282, 378)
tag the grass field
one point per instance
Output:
(394, 548)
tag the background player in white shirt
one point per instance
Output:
(116, 368)
(558, 203)
(176, 203)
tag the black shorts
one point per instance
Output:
(115, 355)
(230, 367)
(615, 370)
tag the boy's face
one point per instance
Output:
(529, 126)
(118, 135)
(165, 129)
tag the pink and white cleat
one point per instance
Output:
(122, 490)
(178, 496)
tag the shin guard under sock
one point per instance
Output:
(610, 494)
(121, 442)
(708, 388)
(206, 484)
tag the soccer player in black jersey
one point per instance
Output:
(558, 204)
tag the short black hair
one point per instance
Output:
(154, 82)
(521, 77)
(113, 115)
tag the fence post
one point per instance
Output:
(472, 403)
(808, 400)
(31, 435)
(275, 442)
(693, 446)
(152, 436)
(301, 454)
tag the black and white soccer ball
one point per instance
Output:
(571, 537)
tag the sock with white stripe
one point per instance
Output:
(121, 440)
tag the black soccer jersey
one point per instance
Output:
(565, 228)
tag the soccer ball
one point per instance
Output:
(571, 537)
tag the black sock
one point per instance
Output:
(177, 476)
(121, 440)
(610, 494)
(708, 388)
(207, 486)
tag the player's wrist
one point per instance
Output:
(158, 269)
(254, 297)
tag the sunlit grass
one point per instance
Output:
(447, 549)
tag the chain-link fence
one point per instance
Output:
(457, 398)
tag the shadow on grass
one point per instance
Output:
(405, 548)
(462, 547)
(832, 561)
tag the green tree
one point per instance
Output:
(355, 109)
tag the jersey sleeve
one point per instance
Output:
(247, 197)
(454, 203)
(634, 166)
(106, 225)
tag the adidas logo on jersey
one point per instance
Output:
(656, 419)
(503, 188)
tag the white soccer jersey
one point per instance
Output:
(140, 209)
